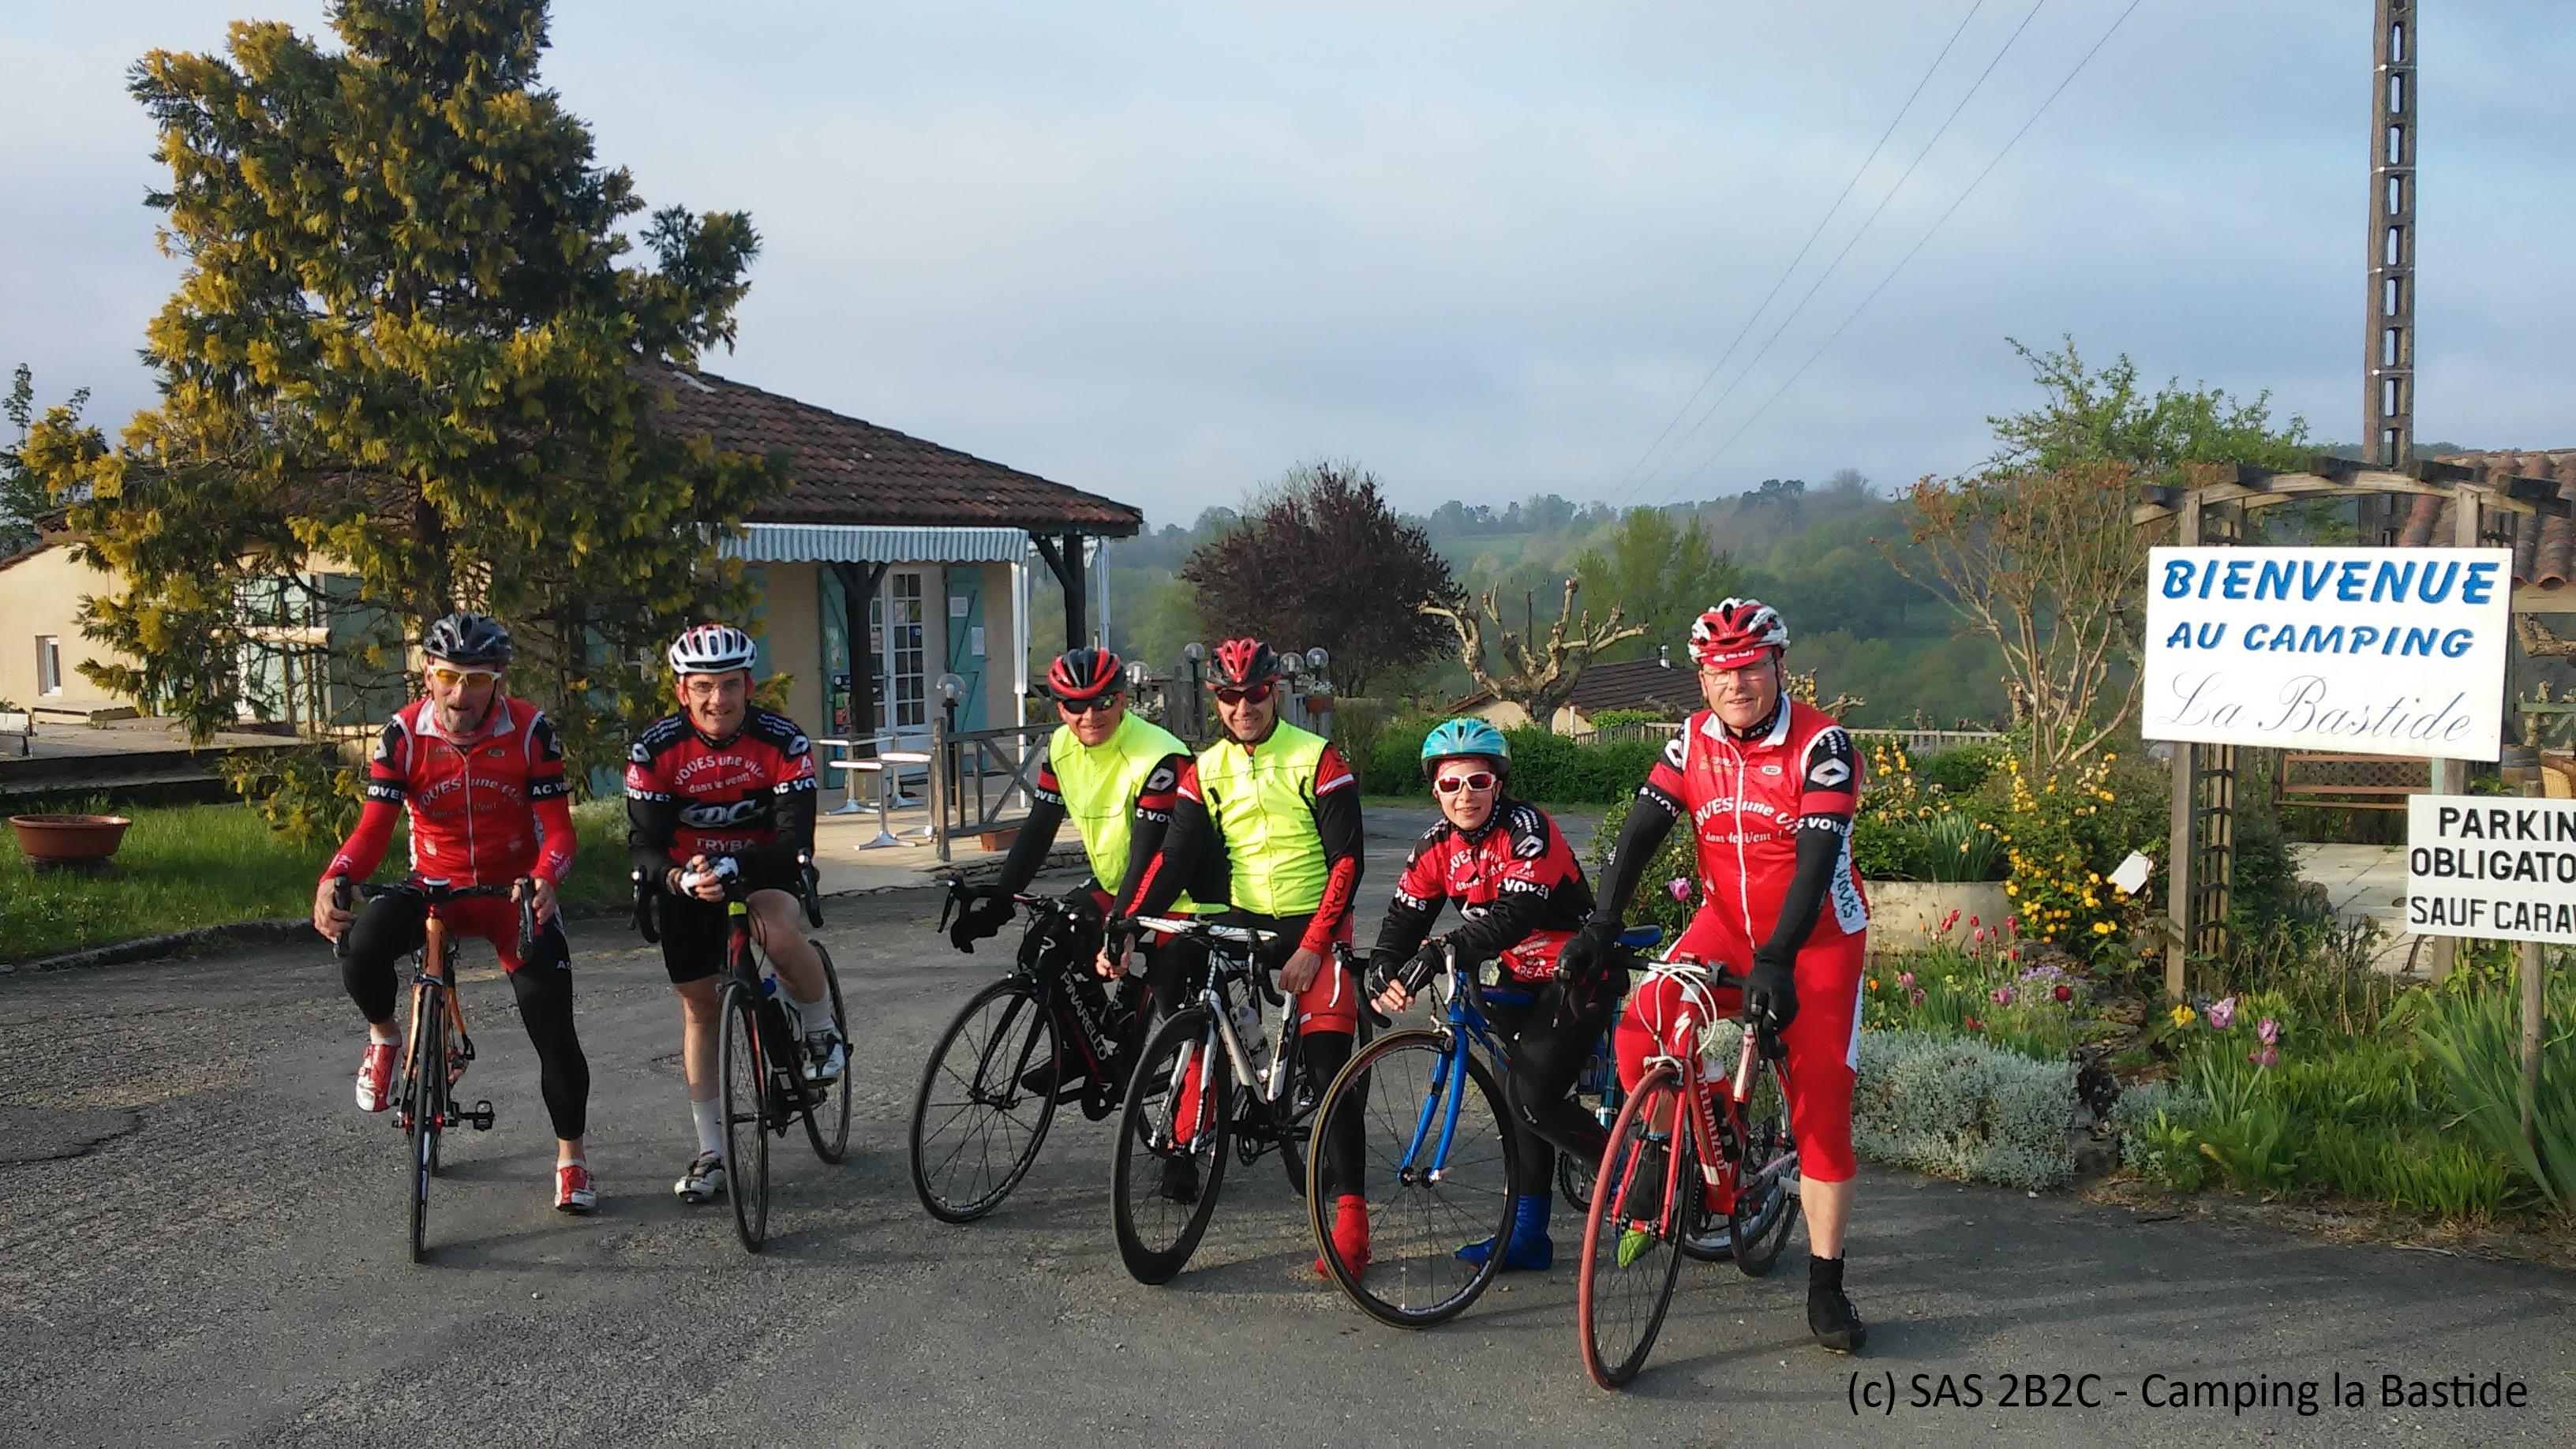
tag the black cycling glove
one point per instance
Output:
(983, 916)
(1413, 973)
(1586, 954)
(1771, 988)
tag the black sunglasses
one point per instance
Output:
(1086, 706)
(1255, 695)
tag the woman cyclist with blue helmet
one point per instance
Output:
(1520, 895)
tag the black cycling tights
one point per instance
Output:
(1178, 970)
(1546, 1057)
(391, 927)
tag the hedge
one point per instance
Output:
(1546, 766)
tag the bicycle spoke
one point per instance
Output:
(975, 1129)
(1630, 1240)
(1411, 1097)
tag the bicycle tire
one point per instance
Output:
(740, 1063)
(998, 1053)
(1429, 1258)
(1187, 1038)
(837, 1094)
(424, 1091)
(1608, 1291)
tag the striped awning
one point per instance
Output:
(850, 543)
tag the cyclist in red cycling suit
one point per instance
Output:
(1770, 786)
(482, 778)
(723, 779)
(1520, 895)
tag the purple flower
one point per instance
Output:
(2270, 1032)
(2222, 1013)
(2266, 1056)
(1918, 996)
(1905, 979)
(2002, 995)
(1679, 888)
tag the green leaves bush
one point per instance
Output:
(1960, 1108)
(1546, 766)
(2476, 1040)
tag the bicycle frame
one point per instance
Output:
(1708, 1135)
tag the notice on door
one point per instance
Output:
(2502, 869)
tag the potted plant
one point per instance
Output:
(58, 840)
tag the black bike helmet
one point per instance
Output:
(468, 639)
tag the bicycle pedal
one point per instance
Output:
(481, 1116)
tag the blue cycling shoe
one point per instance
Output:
(1529, 1248)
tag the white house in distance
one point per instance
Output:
(938, 545)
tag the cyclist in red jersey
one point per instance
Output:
(1770, 786)
(1520, 895)
(724, 780)
(482, 778)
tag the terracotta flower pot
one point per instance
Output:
(66, 839)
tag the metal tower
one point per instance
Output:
(2388, 364)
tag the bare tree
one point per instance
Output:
(2042, 561)
(1538, 676)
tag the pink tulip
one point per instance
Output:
(2002, 995)
(1972, 921)
(2267, 1056)
(2222, 1013)
(2012, 923)
(2270, 1032)
(1948, 921)
(1905, 979)
(1679, 889)
(1918, 996)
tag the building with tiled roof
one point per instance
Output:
(1655, 684)
(2544, 548)
(934, 546)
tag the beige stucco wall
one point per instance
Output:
(42, 595)
(792, 630)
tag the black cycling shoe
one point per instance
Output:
(1830, 1315)
(1041, 1079)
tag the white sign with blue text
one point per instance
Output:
(2371, 651)
(2502, 869)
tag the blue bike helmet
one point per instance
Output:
(1450, 739)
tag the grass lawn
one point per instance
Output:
(187, 866)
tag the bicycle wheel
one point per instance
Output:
(423, 1101)
(741, 1061)
(1172, 1146)
(975, 1130)
(1765, 1208)
(832, 1146)
(1439, 1163)
(1629, 1257)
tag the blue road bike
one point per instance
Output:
(1440, 1153)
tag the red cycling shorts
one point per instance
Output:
(1822, 1042)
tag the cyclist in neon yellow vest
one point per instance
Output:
(1279, 807)
(1115, 775)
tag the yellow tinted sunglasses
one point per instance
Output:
(452, 676)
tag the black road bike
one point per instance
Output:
(760, 1051)
(1018, 1049)
(436, 1049)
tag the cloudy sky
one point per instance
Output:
(1165, 251)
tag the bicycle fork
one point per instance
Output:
(1448, 1084)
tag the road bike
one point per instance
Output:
(1693, 1146)
(760, 1049)
(1221, 1076)
(1017, 1049)
(436, 1048)
(1441, 1153)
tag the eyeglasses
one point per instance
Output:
(1480, 781)
(1257, 694)
(1086, 706)
(453, 677)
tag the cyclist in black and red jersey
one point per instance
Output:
(482, 778)
(725, 788)
(1520, 894)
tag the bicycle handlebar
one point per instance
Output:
(438, 893)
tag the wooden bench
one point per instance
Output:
(2350, 782)
(20, 723)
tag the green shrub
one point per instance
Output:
(1393, 763)
(1959, 1108)
(1611, 719)
(309, 795)
(2476, 1040)
(1554, 768)
(1960, 769)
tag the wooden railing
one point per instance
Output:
(969, 761)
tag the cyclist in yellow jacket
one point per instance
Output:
(1116, 775)
(1278, 808)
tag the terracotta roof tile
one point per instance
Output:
(847, 471)
(2544, 549)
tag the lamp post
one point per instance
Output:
(1194, 652)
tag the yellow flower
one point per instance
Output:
(2101, 928)
(2010, 889)
(2184, 1016)
(1873, 983)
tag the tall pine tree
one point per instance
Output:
(409, 351)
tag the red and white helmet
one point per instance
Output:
(1243, 663)
(1083, 674)
(1735, 634)
(711, 649)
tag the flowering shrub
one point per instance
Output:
(1914, 828)
(2061, 837)
(1985, 985)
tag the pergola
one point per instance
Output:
(2481, 506)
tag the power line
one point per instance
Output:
(1830, 268)
(1785, 272)
(1918, 246)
